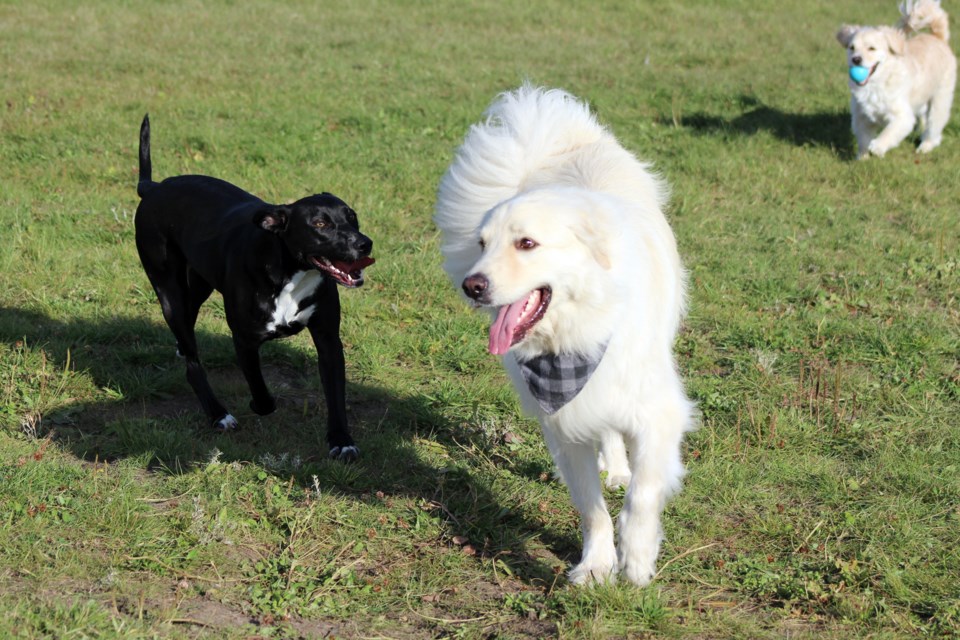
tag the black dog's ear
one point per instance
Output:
(272, 219)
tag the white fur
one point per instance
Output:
(542, 167)
(227, 423)
(913, 81)
(301, 285)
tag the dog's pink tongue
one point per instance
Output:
(363, 263)
(350, 267)
(501, 331)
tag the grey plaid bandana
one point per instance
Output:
(555, 379)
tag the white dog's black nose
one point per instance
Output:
(475, 286)
(856, 60)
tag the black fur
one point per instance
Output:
(195, 234)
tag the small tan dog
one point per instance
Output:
(896, 80)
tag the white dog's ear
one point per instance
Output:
(594, 233)
(846, 33)
(895, 40)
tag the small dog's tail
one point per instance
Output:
(145, 182)
(920, 14)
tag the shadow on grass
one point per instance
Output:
(825, 129)
(156, 419)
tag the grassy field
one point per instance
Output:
(823, 494)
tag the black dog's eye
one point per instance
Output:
(320, 223)
(525, 244)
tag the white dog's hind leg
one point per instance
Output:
(936, 119)
(922, 118)
(577, 464)
(657, 471)
(613, 460)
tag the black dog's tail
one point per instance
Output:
(146, 168)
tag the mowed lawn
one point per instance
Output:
(822, 345)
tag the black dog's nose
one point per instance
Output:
(856, 60)
(475, 286)
(364, 244)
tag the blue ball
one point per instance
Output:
(859, 74)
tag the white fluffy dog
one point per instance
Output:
(558, 231)
(909, 79)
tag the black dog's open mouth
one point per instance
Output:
(349, 274)
(514, 321)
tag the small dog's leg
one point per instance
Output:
(613, 460)
(326, 339)
(863, 129)
(657, 472)
(893, 134)
(578, 467)
(939, 114)
(923, 120)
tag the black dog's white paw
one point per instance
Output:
(344, 454)
(226, 423)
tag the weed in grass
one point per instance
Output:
(605, 611)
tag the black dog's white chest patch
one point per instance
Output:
(287, 305)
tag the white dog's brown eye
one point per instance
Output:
(525, 244)
(483, 245)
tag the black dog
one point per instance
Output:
(277, 267)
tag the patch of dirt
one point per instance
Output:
(205, 613)
(431, 616)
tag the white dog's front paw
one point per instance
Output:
(927, 146)
(639, 571)
(877, 149)
(592, 573)
(598, 564)
(639, 565)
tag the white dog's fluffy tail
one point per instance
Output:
(920, 14)
(522, 130)
(529, 135)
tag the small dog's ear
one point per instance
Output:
(846, 33)
(895, 40)
(272, 219)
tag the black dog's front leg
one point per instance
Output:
(325, 331)
(248, 355)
